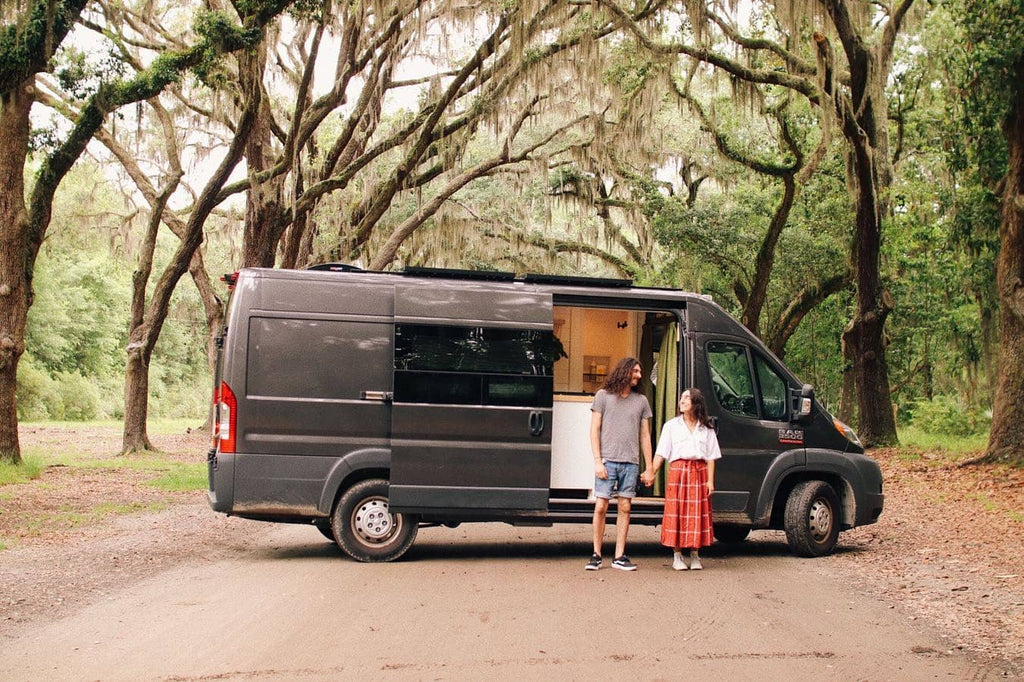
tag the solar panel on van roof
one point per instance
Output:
(540, 278)
(454, 273)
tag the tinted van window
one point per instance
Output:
(474, 365)
(730, 376)
(773, 390)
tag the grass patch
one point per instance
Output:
(30, 468)
(182, 478)
(68, 518)
(986, 502)
(1016, 516)
(960, 446)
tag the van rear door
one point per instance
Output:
(471, 416)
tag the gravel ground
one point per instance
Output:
(946, 551)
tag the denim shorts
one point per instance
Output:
(621, 481)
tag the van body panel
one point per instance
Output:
(278, 483)
(786, 464)
(471, 419)
(369, 461)
(861, 474)
(750, 445)
(472, 304)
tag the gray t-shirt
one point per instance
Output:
(620, 424)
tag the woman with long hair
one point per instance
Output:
(690, 446)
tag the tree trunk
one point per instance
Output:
(863, 117)
(263, 206)
(15, 282)
(751, 316)
(136, 397)
(865, 335)
(848, 398)
(213, 308)
(1006, 440)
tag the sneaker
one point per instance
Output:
(594, 563)
(695, 563)
(679, 564)
(623, 563)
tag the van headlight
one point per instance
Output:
(848, 433)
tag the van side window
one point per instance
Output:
(730, 376)
(773, 390)
(474, 365)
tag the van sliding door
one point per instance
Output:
(471, 416)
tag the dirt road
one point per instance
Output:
(481, 601)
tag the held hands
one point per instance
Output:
(647, 478)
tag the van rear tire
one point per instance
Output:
(729, 533)
(812, 519)
(364, 528)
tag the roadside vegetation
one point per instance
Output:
(73, 477)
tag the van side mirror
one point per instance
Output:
(801, 402)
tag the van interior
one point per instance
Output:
(595, 340)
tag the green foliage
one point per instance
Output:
(73, 367)
(948, 416)
(38, 398)
(82, 400)
(915, 438)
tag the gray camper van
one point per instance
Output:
(368, 404)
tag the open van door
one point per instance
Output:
(471, 414)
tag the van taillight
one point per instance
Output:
(225, 426)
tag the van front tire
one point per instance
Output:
(364, 528)
(812, 519)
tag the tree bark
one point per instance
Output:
(804, 302)
(865, 335)
(1006, 439)
(862, 116)
(15, 278)
(765, 261)
(264, 224)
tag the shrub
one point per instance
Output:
(81, 397)
(39, 396)
(947, 415)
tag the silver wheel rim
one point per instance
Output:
(372, 523)
(819, 520)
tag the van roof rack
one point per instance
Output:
(540, 278)
(335, 267)
(454, 273)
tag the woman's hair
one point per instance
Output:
(700, 408)
(621, 377)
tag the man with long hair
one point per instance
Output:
(620, 429)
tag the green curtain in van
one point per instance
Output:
(666, 392)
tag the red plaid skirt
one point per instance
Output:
(687, 519)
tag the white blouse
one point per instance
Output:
(678, 442)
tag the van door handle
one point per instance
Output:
(379, 396)
(536, 423)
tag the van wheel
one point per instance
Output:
(812, 519)
(365, 529)
(729, 533)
